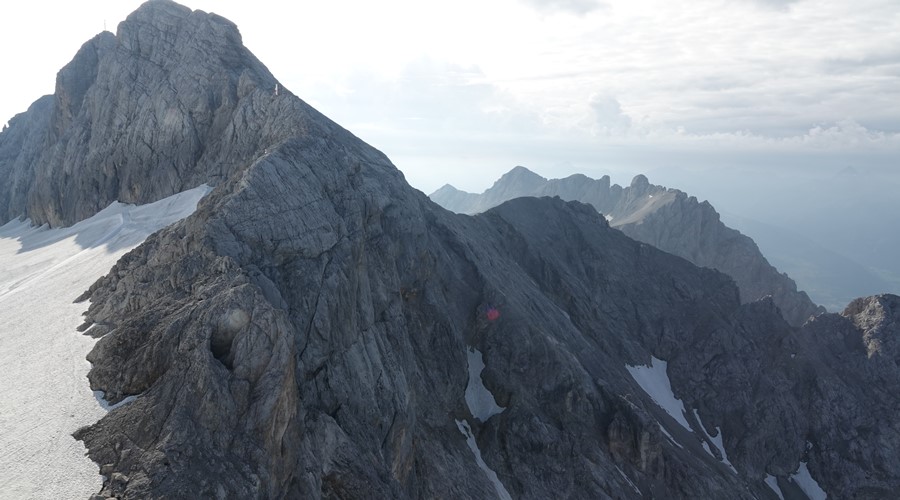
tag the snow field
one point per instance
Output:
(45, 396)
(809, 485)
(655, 382)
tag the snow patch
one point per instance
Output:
(481, 402)
(715, 440)
(655, 382)
(664, 431)
(628, 480)
(466, 431)
(772, 482)
(100, 396)
(47, 396)
(809, 485)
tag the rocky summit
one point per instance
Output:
(668, 219)
(171, 101)
(319, 329)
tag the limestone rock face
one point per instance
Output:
(328, 358)
(310, 331)
(668, 219)
(171, 101)
(21, 145)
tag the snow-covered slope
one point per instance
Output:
(45, 395)
(655, 382)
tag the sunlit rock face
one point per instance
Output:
(310, 331)
(172, 101)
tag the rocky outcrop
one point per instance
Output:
(319, 329)
(668, 219)
(854, 361)
(329, 359)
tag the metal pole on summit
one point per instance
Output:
(276, 90)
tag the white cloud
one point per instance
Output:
(427, 97)
(776, 4)
(579, 7)
(608, 116)
(845, 136)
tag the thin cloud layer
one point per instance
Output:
(776, 4)
(474, 86)
(578, 7)
(608, 116)
(442, 123)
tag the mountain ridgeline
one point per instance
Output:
(668, 219)
(320, 329)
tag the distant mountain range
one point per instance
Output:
(833, 232)
(830, 278)
(666, 218)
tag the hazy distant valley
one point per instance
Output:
(836, 233)
(831, 232)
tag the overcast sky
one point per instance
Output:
(462, 91)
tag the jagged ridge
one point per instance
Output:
(668, 219)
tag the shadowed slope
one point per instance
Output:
(665, 218)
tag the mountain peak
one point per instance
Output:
(520, 172)
(448, 188)
(640, 182)
(145, 114)
(520, 179)
(154, 7)
(519, 169)
(163, 32)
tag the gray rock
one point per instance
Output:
(356, 382)
(349, 385)
(142, 115)
(304, 334)
(665, 218)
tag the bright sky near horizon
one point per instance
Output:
(461, 92)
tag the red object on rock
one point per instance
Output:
(492, 314)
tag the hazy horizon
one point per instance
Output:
(832, 231)
(462, 93)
